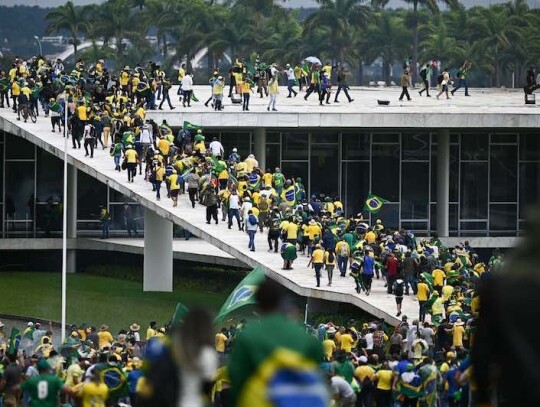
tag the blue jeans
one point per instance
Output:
(105, 223)
(410, 280)
(462, 84)
(342, 264)
(234, 213)
(117, 161)
(290, 86)
(251, 234)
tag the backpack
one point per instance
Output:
(440, 78)
(343, 251)
(423, 73)
(399, 288)
(252, 220)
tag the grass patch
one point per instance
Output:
(96, 299)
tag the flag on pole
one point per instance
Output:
(14, 341)
(179, 313)
(242, 295)
(374, 203)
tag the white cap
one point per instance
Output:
(234, 150)
(30, 323)
(363, 359)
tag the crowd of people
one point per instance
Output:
(371, 364)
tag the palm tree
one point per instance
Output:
(164, 16)
(386, 40)
(340, 19)
(433, 7)
(67, 18)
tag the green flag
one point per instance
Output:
(216, 165)
(190, 126)
(14, 341)
(179, 313)
(242, 295)
(115, 379)
(374, 203)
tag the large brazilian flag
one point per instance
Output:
(374, 203)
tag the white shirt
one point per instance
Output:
(290, 74)
(234, 202)
(369, 341)
(538, 79)
(193, 378)
(246, 206)
(187, 82)
(145, 135)
(217, 148)
(340, 387)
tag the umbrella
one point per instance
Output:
(314, 60)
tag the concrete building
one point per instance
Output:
(465, 168)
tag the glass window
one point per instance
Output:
(49, 217)
(503, 217)
(272, 156)
(385, 171)
(240, 140)
(324, 137)
(414, 190)
(324, 169)
(454, 138)
(90, 195)
(503, 138)
(2, 133)
(433, 218)
(115, 196)
(529, 187)
(415, 226)
(355, 146)
(529, 147)
(1, 170)
(415, 146)
(19, 191)
(454, 216)
(50, 177)
(295, 169)
(503, 173)
(18, 148)
(474, 146)
(118, 221)
(389, 214)
(474, 190)
(295, 146)
(385, 137)
(273, 137)
(482, 226)
(355, 186)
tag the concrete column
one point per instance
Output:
(158, 253)
(259, 138)
(443, 182)
(71, 202)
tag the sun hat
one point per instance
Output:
(104, 327)
(134, 327)
(459, 322)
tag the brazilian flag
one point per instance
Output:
(217, 166)
(243, 295)
(374, 203)
(115, 379)
(289, 195)
(190, 126)
(179, 313)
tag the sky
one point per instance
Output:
(290, 3)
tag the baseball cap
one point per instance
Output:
(363, 359)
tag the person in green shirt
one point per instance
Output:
(279, 345)
(45, 388)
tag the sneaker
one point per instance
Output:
(274, 110)
(351, 100)
(398, 314)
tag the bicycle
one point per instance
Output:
(27, 112)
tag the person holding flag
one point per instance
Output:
(374, 203)
(288, 194)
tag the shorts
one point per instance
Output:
(174, 193)
(399, 300)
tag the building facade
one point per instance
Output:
(494, 176)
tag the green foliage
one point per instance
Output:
(499, 40)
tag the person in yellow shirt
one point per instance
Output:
(152, 330)
(273, 91)
(458, 332)
(131, 157)
(314, 231)
(370, 237)
(383, 389)
(247, 88)
(438, 279)
(292, 231)
(267, 178)
(347, 341)
(174, 187)
(95, 392)
(104, 336)
(330, 264)
(422, 295)
(317, 260)
(329, 347)
(365, 374)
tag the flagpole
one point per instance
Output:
(306, 311)
(64, 232)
